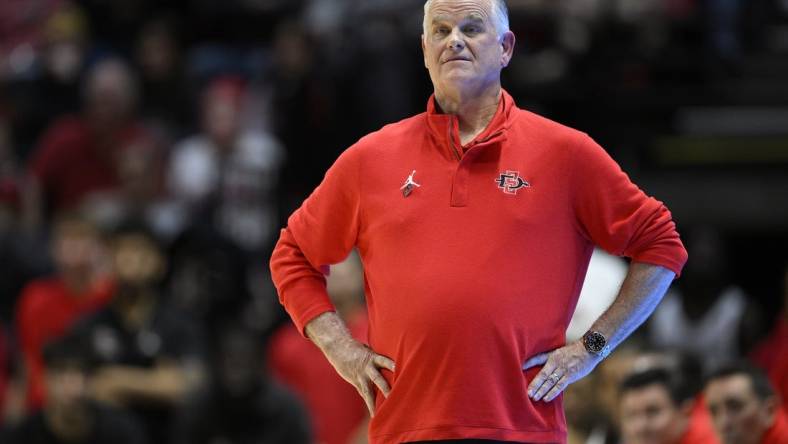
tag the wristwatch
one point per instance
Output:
(596, 344)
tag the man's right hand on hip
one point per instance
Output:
(355, 362)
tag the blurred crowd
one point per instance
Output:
(150, 151)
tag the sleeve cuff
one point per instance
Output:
(305, 301)
(674, 263)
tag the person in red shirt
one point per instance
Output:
(745, 407)
(336, 410)
(85, 156)
(49, 306)
(658, 407)
(475, 222)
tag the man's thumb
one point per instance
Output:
(539, 359)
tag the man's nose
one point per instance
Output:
(456, 43)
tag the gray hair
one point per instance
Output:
(500, 16)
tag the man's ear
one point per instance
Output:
(507, 46)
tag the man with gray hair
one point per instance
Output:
(475, 222)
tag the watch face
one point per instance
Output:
(594, 342)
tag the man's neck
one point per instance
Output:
(474, 111)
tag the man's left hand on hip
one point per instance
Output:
(562, 366)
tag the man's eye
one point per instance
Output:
(470, 30)
(442, 31)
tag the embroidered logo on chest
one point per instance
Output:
(407, 188)
(510, 182)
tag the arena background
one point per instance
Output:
(689, 96)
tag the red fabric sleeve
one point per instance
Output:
(615, 214)
(320, 233)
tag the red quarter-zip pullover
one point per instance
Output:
(476, 270)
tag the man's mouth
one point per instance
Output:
(456, 59)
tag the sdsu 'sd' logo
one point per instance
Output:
(510, 182)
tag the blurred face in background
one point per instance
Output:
(65, 34)
(221, 111)
(739, 415)
(76, 249)
(649, 416)
(239, 361)
(138, 169)
(157, 51)
(138, 261)
(465, 48)
(110, 94)
(66, 385)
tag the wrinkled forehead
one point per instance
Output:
(439, 10)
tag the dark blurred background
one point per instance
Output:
(151, 150)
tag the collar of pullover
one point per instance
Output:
(445, 131)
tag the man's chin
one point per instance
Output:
(457, 73)
(458, 79)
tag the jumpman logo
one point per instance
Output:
(407, 188)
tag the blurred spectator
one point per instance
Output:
(242, 404)
(51, 88)
(592, 407)
(771, 354)
(207, 277)
(585, 419)
(704, 314)
(745, 407)
(69, 417)
(81, 156)
(227, 175)
(310, 118)
(21, 257)
(687, 373)
(148, 355)
(48, 307)
(166, 103)
(335, 407)
(21, 23)
(656, 406)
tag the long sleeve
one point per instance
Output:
(615, 214)
(320, 233)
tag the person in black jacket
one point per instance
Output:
(241, 404)
(68, 416)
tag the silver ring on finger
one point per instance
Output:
(554, 378)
